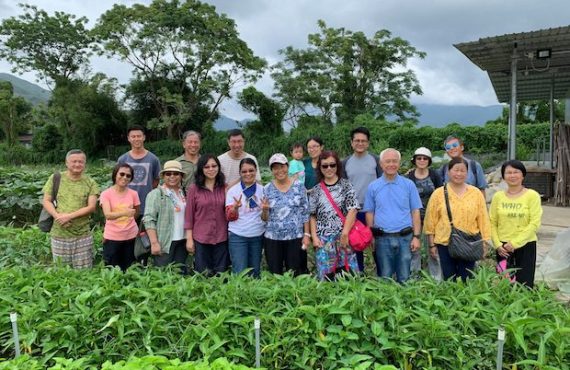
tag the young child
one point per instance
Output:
(296, 166)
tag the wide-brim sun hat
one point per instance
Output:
(278, 158)
(172, 166)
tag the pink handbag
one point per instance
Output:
(360, 235)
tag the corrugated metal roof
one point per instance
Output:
(534, 78)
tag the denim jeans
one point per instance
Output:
(245, 253)
(395, 256)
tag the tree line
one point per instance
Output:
(186, 60)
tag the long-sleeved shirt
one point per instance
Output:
(206, 215)
(515, 220)
(469, 213)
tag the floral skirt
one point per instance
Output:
(331, 257)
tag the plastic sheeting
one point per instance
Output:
(555, 269)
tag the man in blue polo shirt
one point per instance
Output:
(392, 205)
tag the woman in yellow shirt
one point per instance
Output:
(515, 219)
(469, 212)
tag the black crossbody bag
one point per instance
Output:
(463, 245)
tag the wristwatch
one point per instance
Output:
(417, 236)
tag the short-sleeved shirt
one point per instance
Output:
(296, 167)
(146, 170)
(230, 167)
(189, 170)
(206, 215)
(392, 202)
(425, 189)
(122, 228)
(361, 171)
(287, 213)
(249, 223)
(328, 221)
(72, 195)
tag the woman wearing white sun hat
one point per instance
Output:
(427, 180)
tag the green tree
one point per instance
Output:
(183, 41)
(14, 112)
(343, 74)
(86, 112)
(55, 47)
(158, 108)
(270, 113)
(537, 111)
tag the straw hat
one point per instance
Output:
(172, 166)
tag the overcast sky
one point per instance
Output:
(446, 76)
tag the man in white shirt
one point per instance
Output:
(230, 159)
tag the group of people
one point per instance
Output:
(215, 208)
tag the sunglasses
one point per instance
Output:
(451, 146)
(325, 166)
(421, 158)
(171, 173)
(210, 166)
(124, 174)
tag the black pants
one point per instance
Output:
(119, 253)
(285, 255)
(176, 256)
(523, 259)
(211, 259)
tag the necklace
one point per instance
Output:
(516, 192)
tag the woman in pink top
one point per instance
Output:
(205, 222)
(120, 206)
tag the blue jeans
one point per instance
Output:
(245, 253)
(395, 256)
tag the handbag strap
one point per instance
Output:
(328, 194)
(447, 204)
(55, 185)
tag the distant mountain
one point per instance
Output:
(225, 123)
(467, 115)
(431, 114)
(29, 91)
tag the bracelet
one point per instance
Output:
(432, 246)
(307, 234)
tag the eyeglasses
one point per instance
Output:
(247, 171)
(171, 173)
(211, 166)
(328, 165)
(124, 174)
(452, 145)
(360, 141)
(422, 158)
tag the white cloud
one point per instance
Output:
(446, 76)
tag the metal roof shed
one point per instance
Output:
(524, 66)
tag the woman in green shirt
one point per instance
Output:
(315, 147)
(515, 218)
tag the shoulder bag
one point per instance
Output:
(463, 245)
(142, 242)
(45, 222)
(360, 235)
